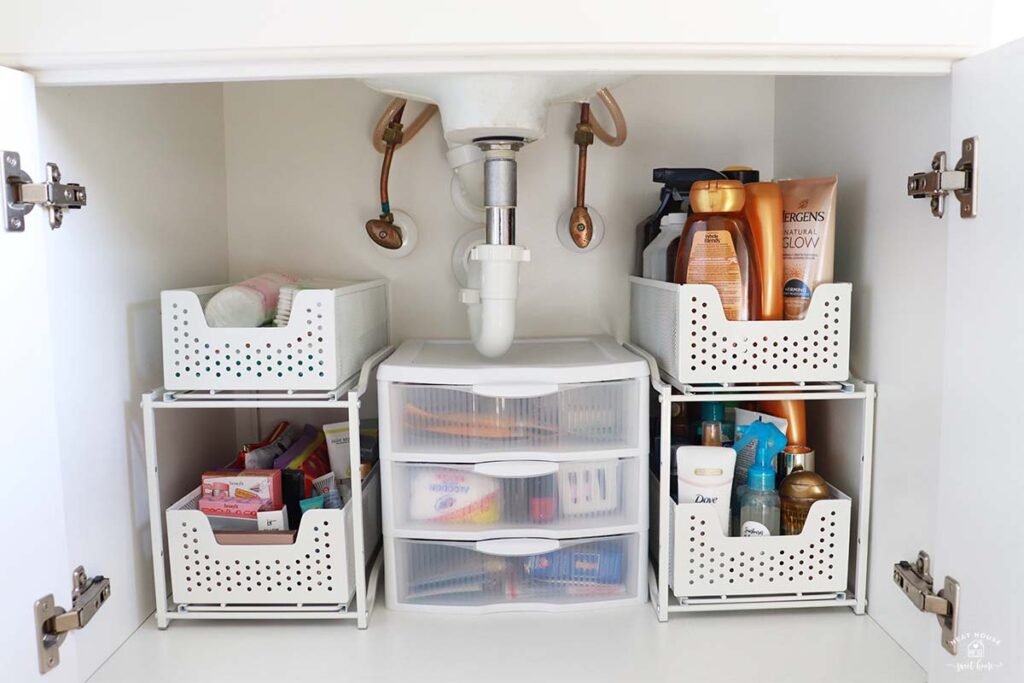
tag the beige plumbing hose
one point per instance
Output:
(617, 118)
(410, 130)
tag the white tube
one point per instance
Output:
(491, 297)
(492, 325)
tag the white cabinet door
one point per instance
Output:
(981, 476)
(34, 559)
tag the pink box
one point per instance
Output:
(261, 485)
(230, 507)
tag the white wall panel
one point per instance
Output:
(303, 176)
(873, 132)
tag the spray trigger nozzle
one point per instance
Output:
(770, 442)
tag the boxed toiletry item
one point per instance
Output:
(263, 486)
(593, 563)
(338, 438)
(272, 520)
(444, 494)
(705, 476)
(223, 506)
(588, 488)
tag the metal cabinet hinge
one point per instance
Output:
(962, 181)
(916, 582)
(53, 623)
(21, 195)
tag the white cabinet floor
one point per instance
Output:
(626, 644)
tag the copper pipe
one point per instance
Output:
(382, 230)
(385, 173)
(581, 165)
(396, 137)
(411, 130)
(581, 226)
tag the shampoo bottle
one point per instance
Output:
(759, 503)
(717, 248)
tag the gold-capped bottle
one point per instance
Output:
(717, 248)
(799, 491)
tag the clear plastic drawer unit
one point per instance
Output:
(516, 483)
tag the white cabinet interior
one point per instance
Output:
(194, 184)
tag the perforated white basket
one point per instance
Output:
(707, 563)
(684, 327)
(318, 569)
(331, 331)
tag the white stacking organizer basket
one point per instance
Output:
(516, 483)
(696, 567)
(333, 328)
(707, 563)
(317, 569)
(685, 329)
(330, 571)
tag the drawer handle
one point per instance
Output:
(514, 390)
(508, 547)
(516, 468)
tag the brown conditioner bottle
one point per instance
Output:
(717, 248)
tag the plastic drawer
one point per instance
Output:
(515, 498)
(514, 574)
(319, 568)
(684, 327)
(441, 423)
(706, 563)
(332, 330)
